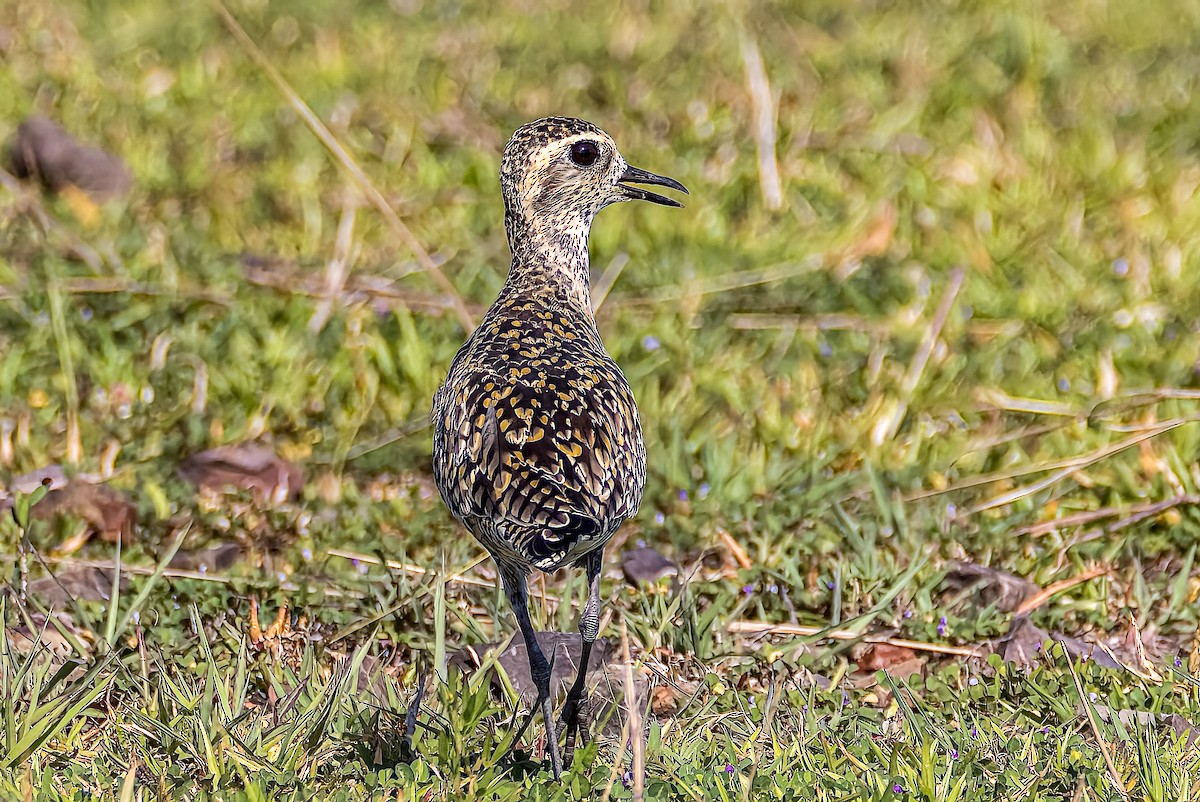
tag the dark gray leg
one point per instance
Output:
(539, 667)
(589, 628)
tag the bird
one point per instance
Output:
(537, 447)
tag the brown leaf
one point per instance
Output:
(45, 637)
(646, 566)
(244, 467)
(43, 150)
(664, 701)
(1024, 642)
(106, 511)
(214, 558)
(899, 661)
(1000, 588)
(1179, 725)
(80, 584)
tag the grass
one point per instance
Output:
(825, 395)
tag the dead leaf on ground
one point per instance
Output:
(605, 675)
(220, 557)
(1001, 588)
(103, 510)
(1024, 642)
(80, 584)
(645, 565)
(1089, 650)
(244, 467)
(1130, 718)
(44, 637)
(42, 150)
(898, 661)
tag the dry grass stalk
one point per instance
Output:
(764, 628)
(347, 162)
(1045, 594)
(338, 267)
(762, 102)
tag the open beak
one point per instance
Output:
(633, 175)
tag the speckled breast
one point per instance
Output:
(537, 445)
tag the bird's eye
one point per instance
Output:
(585, 153)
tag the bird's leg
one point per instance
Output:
(539, 666)
(589, 628)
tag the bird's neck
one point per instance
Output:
(550, 258)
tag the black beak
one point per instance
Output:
(633, 175)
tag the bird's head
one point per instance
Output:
(564, 170)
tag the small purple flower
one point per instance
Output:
(703, 490)
(897, 788)
(973, 681)
(772, 588)
(831, 585)
(825, 349)
(683, 495)
(941, 629)
(729, 769)
(641, 544)
(659, 518)
(651, 343)
(974, 731)
(908, 613)
(1045, 730)
(747, 589)
(1120, 266)
(86, 314)
(1178, 662)
(306, 553)
(845, 698)
(627, 779)
(1064, 384)
(954, 754)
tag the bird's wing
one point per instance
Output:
(550, 462)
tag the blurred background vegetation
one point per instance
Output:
(932, 255)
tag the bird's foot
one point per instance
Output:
(574, 711)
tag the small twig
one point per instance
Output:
(1072, 465)
(764, 628)
(998, 399)
(755, 321)
(1131, 515)
(416, 570)
(735, 548)
(175, 573)
(1113, 774)
(347, 162)
(338, 267)
(1036, 600)
(637, 741)
(739, 279)
(887, 426)
(116, 284)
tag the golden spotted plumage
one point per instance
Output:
(537, 446)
